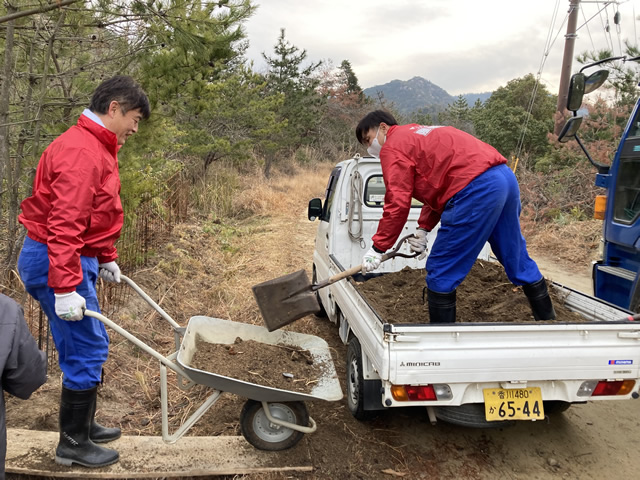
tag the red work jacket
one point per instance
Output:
(430, 164)
(75, 206)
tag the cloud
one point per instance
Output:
(463, 45)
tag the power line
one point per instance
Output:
(608, 29)
(548, 44)
(604, 27)
(586, 24)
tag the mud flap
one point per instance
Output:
(373, 395)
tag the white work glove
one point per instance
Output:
(418, 243)
(70, 306)
(110, 272)
(371, 261)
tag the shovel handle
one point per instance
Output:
(358, 268)
(337, 277)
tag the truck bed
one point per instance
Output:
(555, 356)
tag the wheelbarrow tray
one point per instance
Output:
(225, 332)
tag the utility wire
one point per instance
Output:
(608, 29)
(545, 54)
(604, 26)
(635, 30)
(586, 24)
(618, 30)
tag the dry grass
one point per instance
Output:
(209, 265)
(282, 194)
(571, 245)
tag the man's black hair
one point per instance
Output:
(372, 120)
(125, 91)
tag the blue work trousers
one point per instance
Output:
(82, 345)
(488, 209)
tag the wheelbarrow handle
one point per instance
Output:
(150, 301)
(355, 270)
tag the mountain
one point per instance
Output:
(419, 94)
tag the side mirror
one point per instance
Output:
(595, 80)
(576, 91)
(570, 129)
(315, 209)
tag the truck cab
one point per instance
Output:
(615, 275)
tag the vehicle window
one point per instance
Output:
(634, 130)
(374, 192)
(626, 206)
(330, 193)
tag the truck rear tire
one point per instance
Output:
(553, 407)
(322, 313)
(469, 415)
(355, 382)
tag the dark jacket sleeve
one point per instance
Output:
(23, 365)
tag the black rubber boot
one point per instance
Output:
(100, 434)
(539, 300)
(442, 306)
(76, 413)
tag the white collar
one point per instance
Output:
(92, 116)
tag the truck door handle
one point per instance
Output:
(635, 335)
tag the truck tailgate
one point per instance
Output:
(603, 347)
(490, 353)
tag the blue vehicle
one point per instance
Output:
(615, 276)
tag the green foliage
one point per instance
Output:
(501, 120)
(350, 81)
(458, 115)
(189, 43)
(293, 77)
(213, 192)
(224, 233)
(559, 156)
(233, 118)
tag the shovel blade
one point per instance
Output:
(285, 299)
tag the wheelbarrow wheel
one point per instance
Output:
(264, 435)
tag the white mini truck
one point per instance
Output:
(474, 374)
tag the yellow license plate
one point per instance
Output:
(513, 404)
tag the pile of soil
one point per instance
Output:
(282, 366)
(485, 295)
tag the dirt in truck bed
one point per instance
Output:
(485, 295)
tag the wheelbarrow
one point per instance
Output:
(271, 419)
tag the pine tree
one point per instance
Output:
(290, 75)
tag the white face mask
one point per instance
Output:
(375, 147)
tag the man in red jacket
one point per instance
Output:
(73, 219)
(465, 185)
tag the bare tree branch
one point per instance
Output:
(33, 11)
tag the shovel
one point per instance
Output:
(288, 298)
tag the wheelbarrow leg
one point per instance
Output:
(189, 422)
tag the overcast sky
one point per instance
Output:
(463, 46)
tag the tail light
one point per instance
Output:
(594, 388)
(420, 393)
